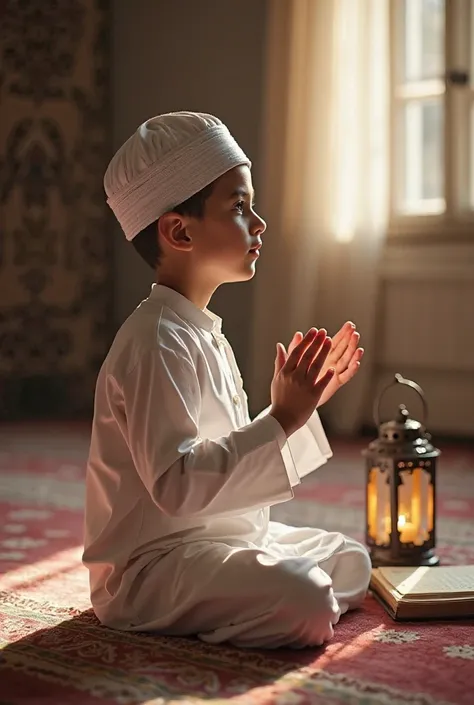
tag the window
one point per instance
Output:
(432, 115)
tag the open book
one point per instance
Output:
(410, 593)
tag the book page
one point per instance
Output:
(426, 581)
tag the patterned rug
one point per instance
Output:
(55, 652)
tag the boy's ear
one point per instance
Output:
(172, 230)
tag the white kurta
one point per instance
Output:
(179, 485)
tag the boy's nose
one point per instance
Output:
(259, 225)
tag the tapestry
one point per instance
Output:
(55, 241)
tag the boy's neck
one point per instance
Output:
(196, 292)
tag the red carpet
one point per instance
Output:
(54, 651)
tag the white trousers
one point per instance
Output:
(290, 592)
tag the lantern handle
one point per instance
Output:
(399, 379)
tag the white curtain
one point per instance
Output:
(324, 185)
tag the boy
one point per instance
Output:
(179, 480)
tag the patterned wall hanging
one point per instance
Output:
(55, 230)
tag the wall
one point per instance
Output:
(54, 252)
(204, 55)
(208, 55)
(426, 330)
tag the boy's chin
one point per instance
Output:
(235, 274)
(247, 272)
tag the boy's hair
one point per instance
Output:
(147, 244)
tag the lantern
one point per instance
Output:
(401, 488)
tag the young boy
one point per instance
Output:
(179, 480)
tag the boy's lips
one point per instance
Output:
(255, 250)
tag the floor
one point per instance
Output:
(55, 652)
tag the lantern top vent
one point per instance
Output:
(403, 436)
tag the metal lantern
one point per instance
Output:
(401, 488)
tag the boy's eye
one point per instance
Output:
(240, 206)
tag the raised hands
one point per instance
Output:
(344, 356)
(299, 380)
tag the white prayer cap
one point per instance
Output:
(168, 159)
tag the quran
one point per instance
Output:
(411, 593)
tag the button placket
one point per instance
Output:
(238, 383)
(229, 373)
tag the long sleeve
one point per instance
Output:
(187, 475)
(308, 446)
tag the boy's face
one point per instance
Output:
(227, 239)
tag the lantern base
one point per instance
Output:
(381, 557)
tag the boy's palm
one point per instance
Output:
(344, 357)
(297, 382)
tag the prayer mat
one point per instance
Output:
(54, 651)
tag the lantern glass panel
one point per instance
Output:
(415, 504)
(378, 506)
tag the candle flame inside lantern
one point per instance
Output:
(402, 520)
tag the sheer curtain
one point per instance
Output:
(324, 182)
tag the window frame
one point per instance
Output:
(456, 222)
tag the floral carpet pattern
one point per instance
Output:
(54, 651)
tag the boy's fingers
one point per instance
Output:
(318, 361)
(297, 338)
(339, 348)
(353, 366)
(322, 383)
(350, 372)
(343, 332)
(349, 352)
(295, 355)
(340, 344)
(281, 357)
(311, 353)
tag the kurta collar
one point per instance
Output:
(185, 308)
